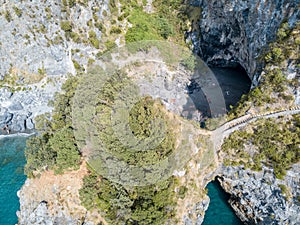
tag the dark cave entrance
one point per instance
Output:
(233, 81)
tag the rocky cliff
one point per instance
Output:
(260, 198)
(41, 43)
(234, 32)
(54, 199)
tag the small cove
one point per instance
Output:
(219, 211)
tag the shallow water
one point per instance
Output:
(12, 161)
(219, 211)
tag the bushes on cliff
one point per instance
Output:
(38, 154)
(273, 83)
(147, 27)
(64, 145)
(168, 21)
(122, 204)
(277, 145)
(149, 205)
(142, 118)
(55, 147)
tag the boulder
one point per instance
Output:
(29, 124)
(6, 117)
(16, 106)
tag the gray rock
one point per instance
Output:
(16, 106)
(235, 32)
(5, 117)
(258, 199)
(19, 126)
(5, 93)
(39, 216)
(29, 124)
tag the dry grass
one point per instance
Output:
(61, 192)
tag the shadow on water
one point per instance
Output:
(219, 211)
(233, 82)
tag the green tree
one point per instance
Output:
(64, 144)
(38, 154)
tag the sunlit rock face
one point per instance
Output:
(236, 32)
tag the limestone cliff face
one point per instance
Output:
(39, 44)
(258, 197)
(235, 32)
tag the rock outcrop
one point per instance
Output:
(18, 109)
(51, 200)
(234, 32)
(260, 198)
(37, 53)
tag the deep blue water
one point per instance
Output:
(219, 211)
(12, 161)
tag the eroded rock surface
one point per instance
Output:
(259, 198)
(236, 32)
(54, 199)
(37, 53)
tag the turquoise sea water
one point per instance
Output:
(12, 161)
(219, 211)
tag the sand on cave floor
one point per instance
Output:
(61, 192)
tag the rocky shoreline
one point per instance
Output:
(19, 109)
(260, 198)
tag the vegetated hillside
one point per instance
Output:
(275, 144)
(279, 81)
(59, 34)
(41, 43)
(119, 204)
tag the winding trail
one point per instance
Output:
(218, 136)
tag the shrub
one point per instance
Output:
(55, 147)
(64, 145)
(66, 26)
(18, 11)
(152, 204)
(93, 39)
(8, 16)
(276, 143)
(115, 30)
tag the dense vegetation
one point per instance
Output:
(276, 143)
(141, 117)
(167, 21)
(55, 147)
(121, 204)
(129, 205)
